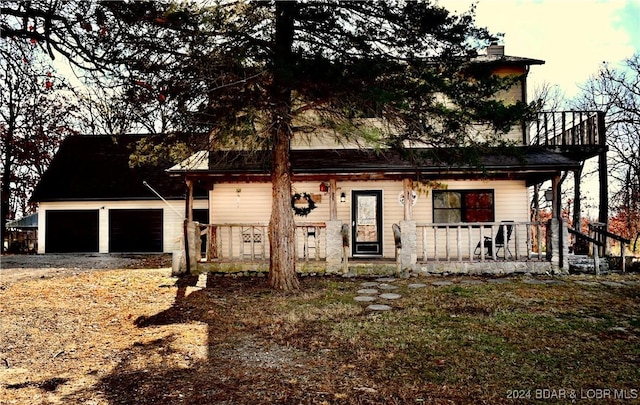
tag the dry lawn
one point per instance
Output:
(142, 337)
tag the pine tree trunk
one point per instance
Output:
(282, 257)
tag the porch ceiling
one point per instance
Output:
(525, 163)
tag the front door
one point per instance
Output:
(366, 225)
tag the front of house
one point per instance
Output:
(357, 210)
(449, 216)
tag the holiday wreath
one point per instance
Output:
(302, 211)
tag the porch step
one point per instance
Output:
(582, 264)
(380, 268)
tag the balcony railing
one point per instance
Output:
(567, 129)
(237, 241)
(513, 241)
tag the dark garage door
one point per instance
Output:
(135, 230)
(71, 231)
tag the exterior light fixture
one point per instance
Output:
(324, 187)
(548, 195)
(343, 197)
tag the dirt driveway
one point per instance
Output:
(20, 267)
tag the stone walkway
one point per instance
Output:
(381, 290)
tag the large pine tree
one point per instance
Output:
(250, 73)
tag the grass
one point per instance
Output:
(123, 337)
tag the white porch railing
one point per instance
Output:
(481, 241)
(250, 241)
(511, 241)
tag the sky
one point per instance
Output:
(573, 37)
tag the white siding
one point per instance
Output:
(172, 219)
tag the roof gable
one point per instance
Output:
(97, 168)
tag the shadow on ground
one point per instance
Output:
(239, 364)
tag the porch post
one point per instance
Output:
(409, 250)
(557, 251)
(603, 215)
(189, 202)
(556, 204)
(407, 188)
(333, 205)
(552, 242)
(564, 245)
(334, 246)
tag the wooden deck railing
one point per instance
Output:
(567, 129)
(467, 241)
(250, 241)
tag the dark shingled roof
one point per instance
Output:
(97, 168)
(533, 164)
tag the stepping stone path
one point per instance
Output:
(611, 284)
(379, 307)
(369, 293)
(533, 281)
(369, 284)
(364, 298)
(370, 289)
(583, 282)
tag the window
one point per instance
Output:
(463, 206)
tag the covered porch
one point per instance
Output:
(421, 248)
(551, 145)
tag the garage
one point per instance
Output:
(135, 230)
(71, 231)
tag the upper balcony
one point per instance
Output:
(576, 134)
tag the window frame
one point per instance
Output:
(463, 208)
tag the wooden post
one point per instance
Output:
(557, 213)
(344, 232)
(603, 215)
(333, 205)
(407, 187)
(556, 204)
(189, 203)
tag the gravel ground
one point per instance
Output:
(18, 267)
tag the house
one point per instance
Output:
(447, 216)
(357, 210)
(91, 201)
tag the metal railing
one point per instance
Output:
(480, 241)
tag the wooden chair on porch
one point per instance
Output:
(499, 242)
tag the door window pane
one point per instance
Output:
(367, 220)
